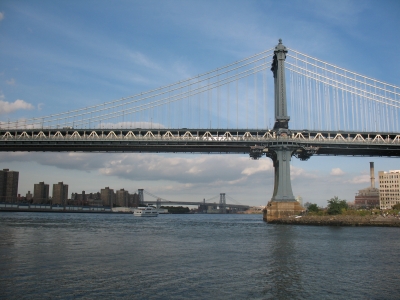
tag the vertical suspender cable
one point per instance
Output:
(218, 101)
(208, 102)
(237, 103)
(357, 114)
(347, 103)
(387, 113)
(307, 98)
(291, 97)
(255, 99)
(301, 120)
(343, 111)
(189, 114)
(247, 104)
(228, 105)
(397, 112)
(265, 100)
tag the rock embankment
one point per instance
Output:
(340, 220)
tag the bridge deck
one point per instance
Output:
(197, 141)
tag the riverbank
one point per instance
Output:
(340, 220)
(33, 210)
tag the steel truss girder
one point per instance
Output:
(247, 141)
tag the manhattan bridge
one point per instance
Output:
(308, 107)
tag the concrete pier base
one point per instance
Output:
(278, 209)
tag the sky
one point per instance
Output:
(61, 55)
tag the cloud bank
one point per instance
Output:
(8, 107)
(337, 172)
(183, 169)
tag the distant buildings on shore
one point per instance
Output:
(8, 185)
(385, 197)
(389, 188)
(106, 197)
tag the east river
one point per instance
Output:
(110, 256)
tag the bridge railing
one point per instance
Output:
(226, 137)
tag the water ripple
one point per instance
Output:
(88, 256)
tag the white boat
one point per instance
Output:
(145, 212)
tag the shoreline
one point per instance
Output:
(339, 220)
(62, 211)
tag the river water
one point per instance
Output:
(95, 256)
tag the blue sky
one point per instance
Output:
(61, 55)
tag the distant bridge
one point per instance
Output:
(222, 205)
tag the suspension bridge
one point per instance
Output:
(235, 109)
(222, 205)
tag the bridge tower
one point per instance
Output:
(283, 201)
(222, 203)
(158, 203)
(278, 69)
(141, 196)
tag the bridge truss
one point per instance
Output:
(200, 141)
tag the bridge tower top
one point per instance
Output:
(278, 69)
(141, 196)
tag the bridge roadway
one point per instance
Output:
(166, 203)
(255, 142)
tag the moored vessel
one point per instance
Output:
(147, 211)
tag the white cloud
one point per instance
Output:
(301, 174)
(262, 166)
(342, 13)
(360, 179)
(7, 107)
(179, 169)
(1, 16)
(142, 60)
(195, 169)
(336, 172)
(109, 125)
(11, 81)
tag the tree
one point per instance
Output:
(306, 205)
(396, 206)
(313, 208)
(336, 206)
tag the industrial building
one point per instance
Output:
(389, 188)
(368, 197)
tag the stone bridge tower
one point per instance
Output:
(283, 202)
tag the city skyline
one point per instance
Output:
(58, 56)
(372, 181)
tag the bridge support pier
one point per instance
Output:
(283, 202)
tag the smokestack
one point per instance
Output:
(372, 172)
